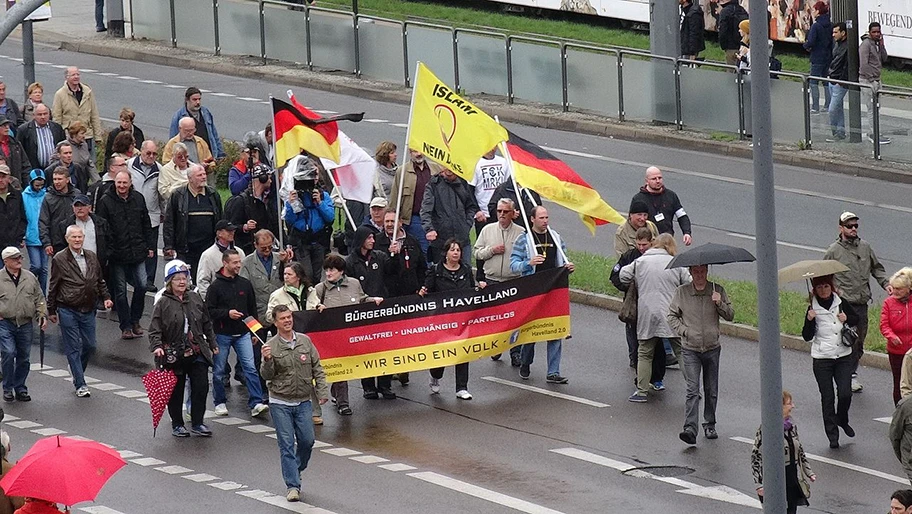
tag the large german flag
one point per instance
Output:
(298, 128)
(536, 169)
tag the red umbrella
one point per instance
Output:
(159, 385)
(62, 470)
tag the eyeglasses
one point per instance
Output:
(851, 225)
(504, 211)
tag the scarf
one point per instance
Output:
(787, 424)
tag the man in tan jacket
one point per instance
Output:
(415, 176)
(197, 148)
(76, 101)
(21, 303)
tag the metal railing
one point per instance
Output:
(535, 69)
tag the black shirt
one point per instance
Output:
(200, 219)
(545, 246)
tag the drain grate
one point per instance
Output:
(660, 471)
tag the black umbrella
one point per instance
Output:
(41, 346)
(710, 253)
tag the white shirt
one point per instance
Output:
(489, 173)
(90, 242)
(81, 261)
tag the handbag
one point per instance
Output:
(849, 336)
(628, 312)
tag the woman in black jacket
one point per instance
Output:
(450, 274)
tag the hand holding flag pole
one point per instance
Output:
(254, 326)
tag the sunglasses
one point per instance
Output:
(851, 225)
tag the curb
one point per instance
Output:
(537, 116)
(613, 303)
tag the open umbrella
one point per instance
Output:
(62, 470)
(159, 384)
(805, 270)
(710, 253)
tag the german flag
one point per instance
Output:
(298, 128)
(252, 324)
(536, 169)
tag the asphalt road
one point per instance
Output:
(511, 448)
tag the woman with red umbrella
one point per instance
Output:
(181, 338)
(38, 506)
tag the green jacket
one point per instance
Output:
(854, 285)
(693, 316)
(294, 372)
(23, 303)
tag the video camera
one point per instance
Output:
(305, 178)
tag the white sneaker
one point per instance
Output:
(463, 395)
(856, 386)
(83, 392)
(259, 409)
(435, 386)
(221, 410)
(293, 495)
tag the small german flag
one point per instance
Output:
(252, 324)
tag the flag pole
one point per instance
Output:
(406, 155)
(520, 205)
(348, 215)
(280, 205)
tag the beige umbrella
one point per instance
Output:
(806, 270)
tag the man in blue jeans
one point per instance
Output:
(230, 299)
(839, 70)
(292, 363)
(75, 287)
(21, 302)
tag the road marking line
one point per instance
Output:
(341, 452)
(201, 477)
(886, 420)
(400, 125)
(482, 493)
(226, 95)
(226, 486)
(130, 394)
(57, 373)
(37, 367)
(174, 470)
(99, 509)
(151, 81)
(375, 120)
(576, 453)
(90, 380)
(174, 86)
(148, 461)
(272, 435)
(128, 454)
(127, 77)
(368, 459)
(258, 429)
(144, 400)
(325, 112)
(725, 494)
(24, 424)
(84, 70)
(205, 91)
(255, 493)
(547, 392)
(10, 417)
(321, 444)
(48, 431)
(397, 467)
(47, 64)
(780, 243)
(106, 387)
(249, 99)
(105, 74)
(230, 421)
(282, 503)
(846, 465)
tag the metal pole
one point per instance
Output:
(263, 35)
(509, 70)
(173, 25)
(16, 15)
(357, 47)
(847, 11)
(620, 56)
(876, 128)
(215, 22)
(767, 279)
(28, 54)
(739, 80)
(565, 93)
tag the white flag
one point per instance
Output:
(354, 175)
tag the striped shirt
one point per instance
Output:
(45, 144)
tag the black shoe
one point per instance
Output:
(849, 431)
(180, 431)
(200, 430)
(496, 357)
(344, 410)
(101, 29)
(555, 378)
(834, 444)
(8, 396)
(371, 395)
(688, 437)
(150, 287)
(403, 378)
(710, 432)
(388, 394)
(23, 396)
(524, 372)
(227, 381)
(515, 361)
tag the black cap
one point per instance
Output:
(225, 225)
(82, 200)
(638, 206)
(5, 121)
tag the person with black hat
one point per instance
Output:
(637, 217)
(205, 125)
(854, 285)
(210, 261)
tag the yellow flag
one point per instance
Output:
(449, 129)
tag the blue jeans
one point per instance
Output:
(78, 330)
(527, 355)
(837, 110)
(38, 265)
(244, 347)
(129, 314)
(819, 70)
(15, 348)
(99, 14)
(414, 229)
(293, 423)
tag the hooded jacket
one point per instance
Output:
(128, 220)
(171, 315)
(664, 207)
(820, 40)
(57, 206)
(730, 16)
(12, 212)
(371, 269)
(896, 321)
(692, 29)
(225, 294)
(32, 200)
(871, 58)
(310, 221)
(854, 286)
(449, 209)
(656, 286)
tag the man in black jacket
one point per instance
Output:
(56, 206)
(692, 30)
(729, 39)
(253, 210)
(79, 175)
(126, 212)
(190, 218)
(447, 210)
(371, 267)
(839, 70)
(12, 212)
(230, 299)
(14, 155)
(412, 265)
(40, 136)
(663, 204)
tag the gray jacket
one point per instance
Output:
(854, 285)
(871, 58)
(656, 286)
(901, 434)
(448, 208)
(694, 316)
(21, 303)
(147, 186)
(263, 285)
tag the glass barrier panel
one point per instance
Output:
(380, 44)
(536, 73)
(239, 28)
(433, 47)
(482, 64)
(649, 90)
(895, 123)
(195, 24)
(823, 134)
(592, 83)
(332, 40)
(787, 110)
(709, 98)
(286, 34)
(152, 20)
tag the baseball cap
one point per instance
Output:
(225, 225)
(379, 202)
(846, 216)
(82, 200)
(11, 251)
(5, 121)
(4, 169)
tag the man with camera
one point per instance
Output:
(253, 209)
(240, 175)
(309, 214)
